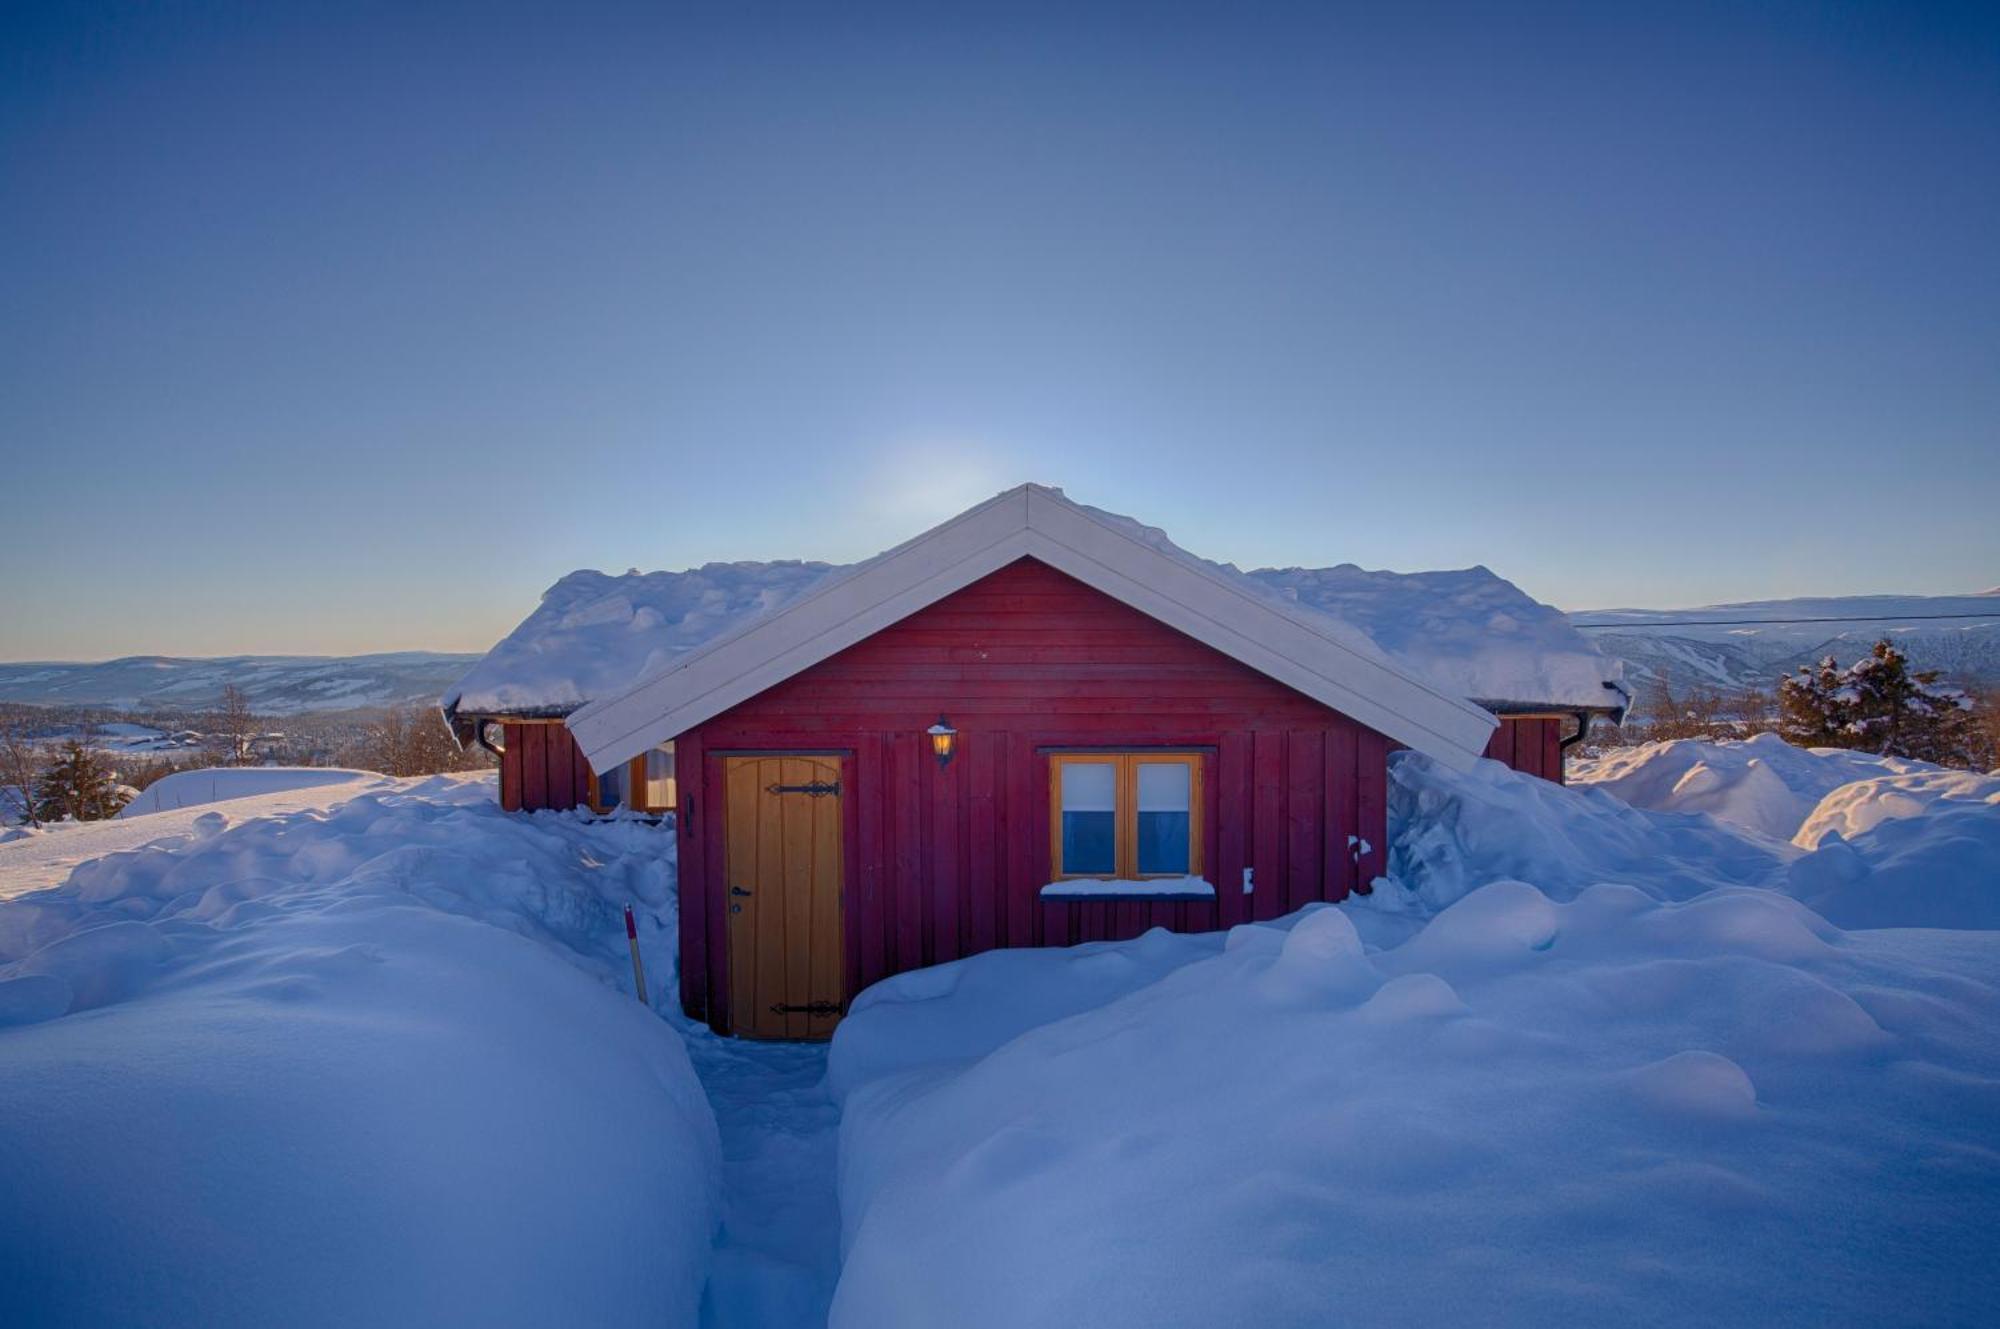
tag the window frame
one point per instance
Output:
(1125, 807)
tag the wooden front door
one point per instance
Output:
(782, 866)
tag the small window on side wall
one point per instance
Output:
(1128, 815)
(607, 790)
(645, 783)
(660, 792)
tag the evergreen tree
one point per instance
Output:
(77, 784)
(1879, 705)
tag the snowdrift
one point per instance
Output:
(1574, 1063)
(1606, 1110)
(1763, 784)
(1889, 842)
(367, 1066)
(217, 784)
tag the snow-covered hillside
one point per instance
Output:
(1739, 654)
(275, 684)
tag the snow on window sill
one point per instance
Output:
(1148, 888)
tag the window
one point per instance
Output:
(660, 794)
(1125, 814)
(607, 790)
(645, 783)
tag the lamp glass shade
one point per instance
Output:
(943, 739)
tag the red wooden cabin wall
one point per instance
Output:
(542, 767)
(943, 862)
(1531, 744)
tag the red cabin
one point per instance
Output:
(1037, 724)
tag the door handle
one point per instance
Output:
(738, 890)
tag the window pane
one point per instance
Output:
(611, 787)
(1089, 817)
(1164, 789)
(1163, 786)
(660, 778)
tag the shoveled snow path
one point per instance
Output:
(778, 1254)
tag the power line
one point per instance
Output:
(1777, 622)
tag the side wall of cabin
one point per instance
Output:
(541, 767)
(946, 861)
(1531, 744)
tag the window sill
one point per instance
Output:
(1148, 888)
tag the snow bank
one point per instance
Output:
(366, 1066)
(1857, 808)
(1889, 842)
(1451, 832)
(1608, 1109)
(186, 789)
(1918, 850)
(1762, 783)
(1468, 633)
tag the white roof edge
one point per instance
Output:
(1033, 521)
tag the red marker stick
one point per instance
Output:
(638, 965)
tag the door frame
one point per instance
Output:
(715, 782)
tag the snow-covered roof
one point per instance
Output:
(1469, 631)
(594, 635)
(1313, 654)
(1467, 634)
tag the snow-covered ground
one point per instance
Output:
(216, 784)
(1574, 1061)
(1578, 1063)
(378, 1064)
(34, 860)
(1883, 842)
(1762, 784)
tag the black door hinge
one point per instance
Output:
(817, 789)
(819, 1008)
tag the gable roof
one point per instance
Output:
(1310, 652)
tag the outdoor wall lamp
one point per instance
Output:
(944, 739)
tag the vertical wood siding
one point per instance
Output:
(947, 862)
(1531, 744)
(542, 768)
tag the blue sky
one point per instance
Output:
(347, 328)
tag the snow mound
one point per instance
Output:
(1763, 783)
(215, 784)
(594, 635)
(1452, 832)
(1857, 808)
(365, 1066)
(1469, 633)
(1925, 852)
(1608, 1108)
(1938, 867)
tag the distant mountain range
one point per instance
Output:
(275, 684)
(1745, 650)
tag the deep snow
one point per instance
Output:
(218, 784)
(1762, 784)
(1573, 1061)
(38, 859)
(1644, 1084)
(378, 1064)
(1887, 842)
